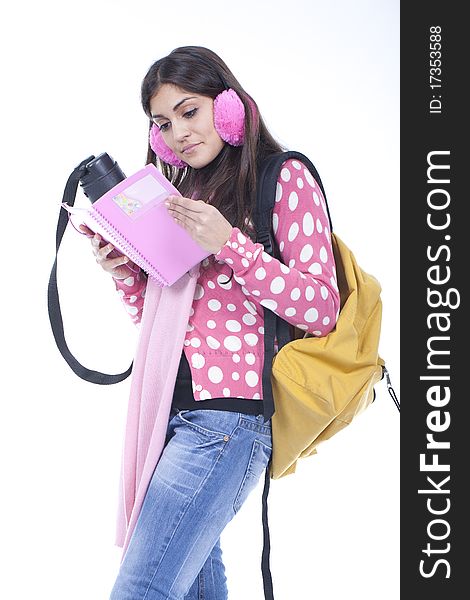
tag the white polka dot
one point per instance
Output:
(186, 342)
(311, 315)
(198, 361)
(290, 312)
(251, 378)
(250, 307)
(300, 183)
(281, 246)
(255, 292)
(223, 281)
(251, 339)
(309, 293)
(121, 293)
(241, 250)
(275, 222)
(293, 231)
(239, 280)
(308, 225)
(199, 292)
(278, 192)
(232, 343)
(235, 376)
(241, 238)
(261, 330)
(233, 325)
(306, 253)
(271, 304)
(316, 199)
(323, 254)
(260, 273)
(214, 305)
(277, 285)
(296, 165)
(249, 319)
(292, 263)
(285, 269)
(211, 324)
(226, 392)
(195, 342)
(143, 292)
(132, 299)
(295, 294)
(324, 292)
(302, 326)
(319, 226)
(236, 358)
(191, 312)
(327, 235)
(257, 252)
(285, 174)
(315, 269)
(215, 374)
(234, 245)
(205, 395)
(293, 200)
(333, 283)
(211, 285)
(249, 254)
(316, 332)
(129, 281)
(250, 358)
(309, 177)
(256, 396)
(266, 257)
(229, 261)
(212, 342)
(132, 310)
(326, 321)
(245, 291)
(231, 307)
(245, 263)
(198, 387)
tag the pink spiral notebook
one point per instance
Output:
(134, 218)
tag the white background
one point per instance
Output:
(326, 78)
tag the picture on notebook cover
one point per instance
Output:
(133, 217)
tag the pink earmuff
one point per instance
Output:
(229, 122)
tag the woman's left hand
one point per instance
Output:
(206, 225)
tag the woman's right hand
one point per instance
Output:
(110, 260)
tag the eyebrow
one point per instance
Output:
(175, 107)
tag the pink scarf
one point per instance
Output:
(163, 329)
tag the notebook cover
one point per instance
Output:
(134, 218)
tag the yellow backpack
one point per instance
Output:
(315, 386)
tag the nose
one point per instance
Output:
(180, 130)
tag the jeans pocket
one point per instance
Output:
(214, 424)
(259, 458)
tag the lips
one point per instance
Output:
(189, 148)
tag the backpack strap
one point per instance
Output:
(274, 326)
(53, 303)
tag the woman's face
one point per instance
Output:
(186, 122)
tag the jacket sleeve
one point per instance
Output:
(132, 293)
(302, 287)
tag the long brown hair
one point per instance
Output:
(230, 179)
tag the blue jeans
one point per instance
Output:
(211, 461)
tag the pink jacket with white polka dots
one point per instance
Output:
(224, 338)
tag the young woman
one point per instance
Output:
(208, 137)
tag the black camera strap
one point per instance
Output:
(53, 303)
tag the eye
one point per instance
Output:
(163, 127)
(190, 113)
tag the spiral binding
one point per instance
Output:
(131, 251)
